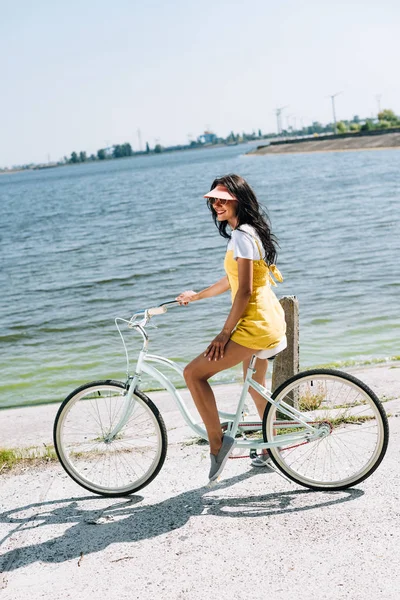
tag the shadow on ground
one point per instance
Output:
(123, 520)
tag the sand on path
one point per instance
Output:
(255, 535)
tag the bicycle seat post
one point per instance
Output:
(252, 364)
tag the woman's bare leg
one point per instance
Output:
(196, 375)
(259, 376)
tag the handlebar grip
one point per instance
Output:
(157, 310)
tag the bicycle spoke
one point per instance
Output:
(347, 417)
(107, 444)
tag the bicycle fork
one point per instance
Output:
(129, 403)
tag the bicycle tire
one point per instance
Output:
(350, 418)
(94, 461)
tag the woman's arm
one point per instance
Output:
(215, 289)
(245, 271)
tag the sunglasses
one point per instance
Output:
(221, 201)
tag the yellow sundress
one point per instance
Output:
(262, 325)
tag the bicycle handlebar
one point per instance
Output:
(134, 323)
(151, 312)
(170, 303)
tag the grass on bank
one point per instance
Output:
(341, 364)
(10, 458)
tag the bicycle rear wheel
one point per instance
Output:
(106, 444)
(351, 423)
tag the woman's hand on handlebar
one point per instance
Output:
(215, 289)
(186, 297)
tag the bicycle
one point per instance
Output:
(322, 428)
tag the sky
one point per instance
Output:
(82, 75)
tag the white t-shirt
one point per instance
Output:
(243, 245)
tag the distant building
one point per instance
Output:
(208, 137)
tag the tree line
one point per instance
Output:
(386, 119)
(117, 151)
(123, 150)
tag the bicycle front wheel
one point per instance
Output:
(350, 430)
(107, 444)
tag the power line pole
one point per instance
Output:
(278, 115)
(378, 100)
(140, 139)
(333, 96)
(278, 112)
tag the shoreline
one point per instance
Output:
(31, 427)
(344, 365)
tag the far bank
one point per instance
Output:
(332, 143)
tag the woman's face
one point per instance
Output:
(226, 210)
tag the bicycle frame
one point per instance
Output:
(234, 424)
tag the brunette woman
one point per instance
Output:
(256, 321)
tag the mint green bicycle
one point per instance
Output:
(323, 429)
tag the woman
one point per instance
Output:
(256, 322)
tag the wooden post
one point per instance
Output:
(286, 364)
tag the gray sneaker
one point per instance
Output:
(218, 462)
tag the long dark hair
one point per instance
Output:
(249, 212)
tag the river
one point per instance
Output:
(80, 245)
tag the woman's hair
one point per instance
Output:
(249, 212)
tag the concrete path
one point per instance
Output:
(254, 535)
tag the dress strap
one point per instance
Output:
(258, 245)
(272, 269)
